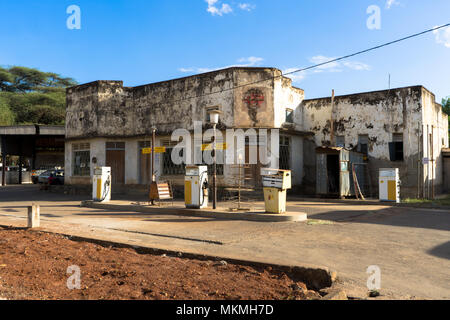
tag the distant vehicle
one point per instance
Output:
(52, 177)
(15, 169)
(35, 175)
(56, 178)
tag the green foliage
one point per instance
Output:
(6, 115)
(30, 96)
(446, 109)
(446, 105)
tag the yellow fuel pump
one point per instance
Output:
(276, 182)
(196, 187)
(101, 184)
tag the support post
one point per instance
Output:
(215, 171)
(20, 169)
(433, 178)
(3, 162)
(153, 185)
(419, 161)
(34, 216)
(332, 139)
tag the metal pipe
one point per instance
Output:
(432, 163)
(418, 161)
(153, 154)
(215, 171)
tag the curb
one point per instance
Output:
(247, 216)
(368, 203)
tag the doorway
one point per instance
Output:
(115, 158)
(333, 172)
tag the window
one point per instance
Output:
(285, 153)
(363, 144)
(81, 159)
(169, 168)
(289, 116)
(340, 141)
(396, 147)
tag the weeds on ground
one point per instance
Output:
(313, 222)
(437, 202)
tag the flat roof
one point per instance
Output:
(30, 130)
(369, 92)
(186, 77)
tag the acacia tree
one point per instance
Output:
(30, 96)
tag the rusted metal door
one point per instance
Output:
(115, 158)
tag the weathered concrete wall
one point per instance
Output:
(434, 139)
(288, 97)
(446, 170)
(107, 109)
(379, 115)
(297, 160)
(254, 104)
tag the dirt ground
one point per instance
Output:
(33, 266)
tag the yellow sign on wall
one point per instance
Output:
(209, 146)
(157, 150)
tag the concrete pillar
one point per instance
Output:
(20, 169)
(34, 216)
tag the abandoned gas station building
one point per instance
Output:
(108, 124)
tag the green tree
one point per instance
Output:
(32, 96)
(6, 115)
(446, 108)
(446, 105)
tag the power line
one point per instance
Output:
(317, 65)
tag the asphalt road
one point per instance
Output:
(410, 246)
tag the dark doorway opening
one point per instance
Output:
(333, 173)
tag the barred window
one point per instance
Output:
(81, 159)
(169, 168)
(285, 153)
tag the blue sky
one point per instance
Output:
(141, 42)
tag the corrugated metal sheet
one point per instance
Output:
(346, 160)
(322, 175)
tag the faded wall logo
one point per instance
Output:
(254, 98)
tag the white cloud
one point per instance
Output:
(331, 67)
(296, 77)
(391, 3)
(215, 9)
(357, 66)
(246, 6)
(443, 36)
(251, 61)
(243, 62)
(335, 66)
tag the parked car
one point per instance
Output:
(35, 175)
(52, 177)
(15, 169)
(56, 178)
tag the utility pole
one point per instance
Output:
(215, 169)
(332, 142)
(153, 185)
